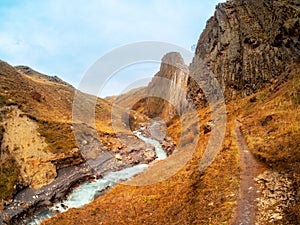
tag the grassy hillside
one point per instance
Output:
(271, 126)
(270, 123)
(43, 105)
(126, 98)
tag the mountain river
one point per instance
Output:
(88, 191)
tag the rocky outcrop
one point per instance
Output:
(22, 141)
(247, 45)
(31, 72)
(167, 90)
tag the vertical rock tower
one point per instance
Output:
(168, 88)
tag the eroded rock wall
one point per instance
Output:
(248, 44)
(167, 90)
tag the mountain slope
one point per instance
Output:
(165, 95)
(210, 198)
(253, 49)
(248, 45)
(37, 128)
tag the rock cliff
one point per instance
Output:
(22, 140)
(245, 49)
(167, 90)
(248, 45)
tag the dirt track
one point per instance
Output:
(246, 210)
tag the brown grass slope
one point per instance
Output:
(134, 99)
(188, 197)
(191, 197)
(47, 101)
(127, 99)
(272, 130)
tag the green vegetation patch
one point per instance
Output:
(8, 178)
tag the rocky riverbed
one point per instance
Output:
(157, 131)
(30, 201)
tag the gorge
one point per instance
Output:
(252, 49)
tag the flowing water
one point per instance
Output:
(88, 191)
(160, 153)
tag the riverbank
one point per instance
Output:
(29, 203)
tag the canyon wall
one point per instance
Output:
(247, 45)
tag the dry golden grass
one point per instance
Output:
(126, 100)
(188, 197)
(9, 172)
(191, 197)
(49, 104)
(271, 126)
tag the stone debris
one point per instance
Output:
(168, 145)
(208, 127)
(277, 194)
(118, 157)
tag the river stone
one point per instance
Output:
(149, 154)
(118, 157)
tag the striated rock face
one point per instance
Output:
(167, 90)
(248, 44)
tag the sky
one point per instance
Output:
(64, 38)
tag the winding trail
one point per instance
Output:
(246, 210)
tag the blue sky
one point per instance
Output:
(64, 38)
